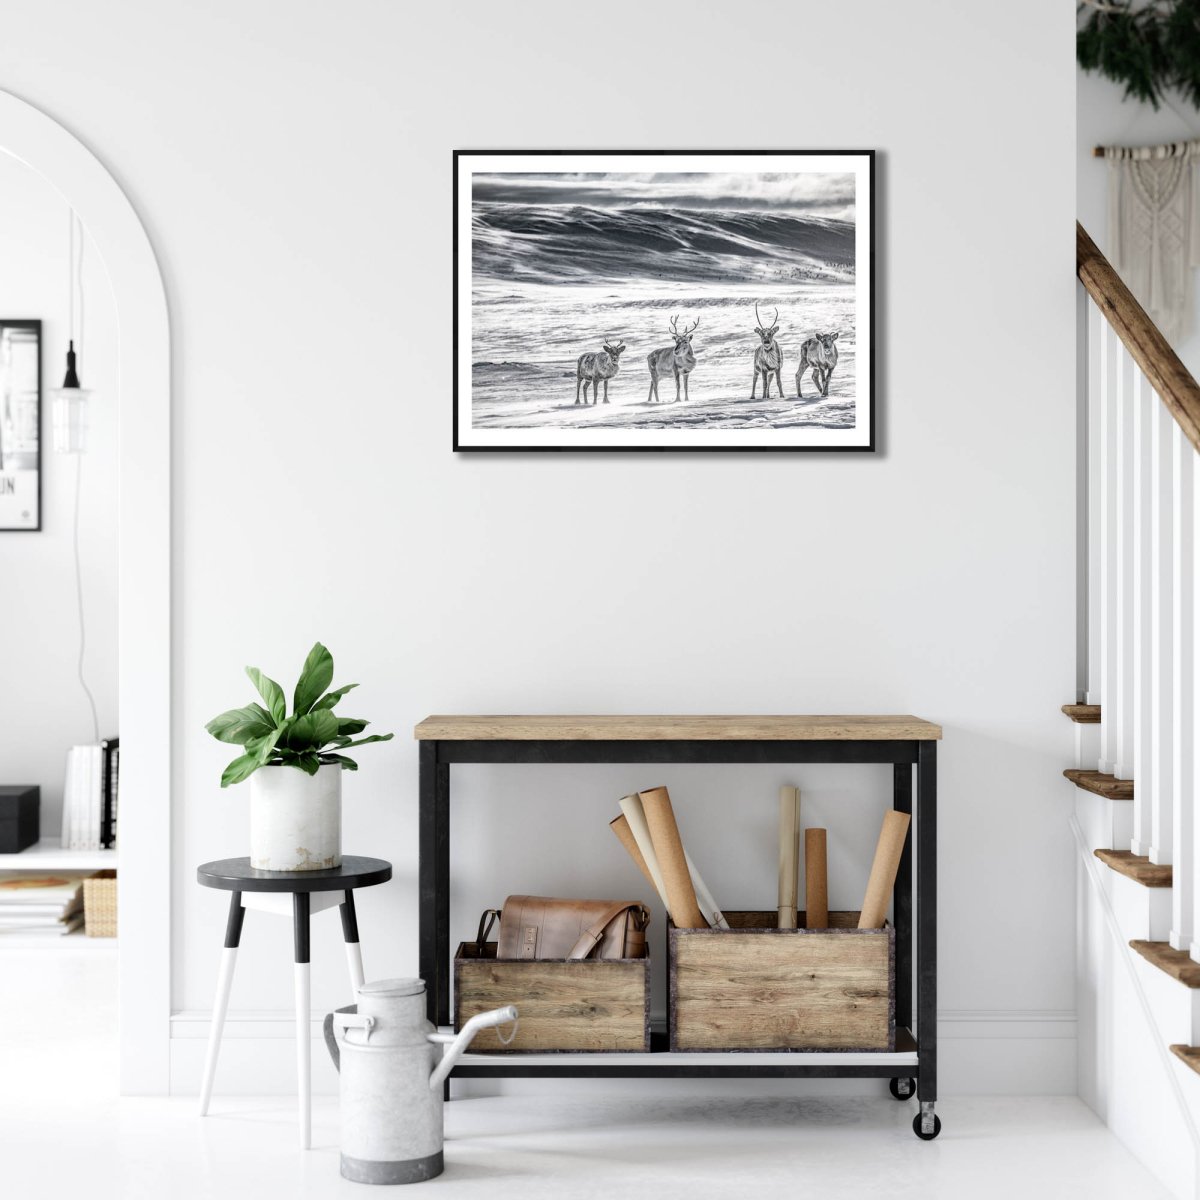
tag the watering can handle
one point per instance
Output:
(331, 1042)
(341, 1018)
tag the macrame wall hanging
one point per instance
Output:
(1154, 228)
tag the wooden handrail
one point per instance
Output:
(1173, 382)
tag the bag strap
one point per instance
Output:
(589, 938)
(485, 926)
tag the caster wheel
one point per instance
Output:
(927, 1137)
(902, 1089)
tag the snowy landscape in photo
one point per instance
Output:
(565, 263)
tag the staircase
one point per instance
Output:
(1136, 774)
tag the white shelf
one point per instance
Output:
(807, 1058)
(48, 855)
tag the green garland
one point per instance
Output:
(1151, 49)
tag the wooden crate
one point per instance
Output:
(589, 1005)
(756, 987)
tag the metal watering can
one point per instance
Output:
(391, 1080)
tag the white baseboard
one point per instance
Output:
(982, 1052)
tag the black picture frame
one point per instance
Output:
(869, 446)
(17, 459)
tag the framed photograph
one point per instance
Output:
(662, 300)
(20, 425)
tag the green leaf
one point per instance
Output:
(311, 731)
(265, 747)
(375, 737)
(351, 725)
(348, 764)
(271, 693)
(241, 725)
(331, 698)
(241, 768)
(309, 763)
(315, 676)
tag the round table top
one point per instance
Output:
(237, 875)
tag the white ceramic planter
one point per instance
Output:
(296, 819)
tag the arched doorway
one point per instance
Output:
(144, 577)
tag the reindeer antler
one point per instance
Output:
(674, 321)
(775, 318)
(757, 318)
(693, 328)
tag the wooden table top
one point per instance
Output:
(860, 728)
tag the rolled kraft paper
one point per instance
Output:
(816, 880)
(635, 819)
(883, 870)
(620, 826)
(672, 862)
(789, 847)
(704, 898)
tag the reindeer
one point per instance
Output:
(821, 354)
(592, 368)
(677, 359)
(768, 358)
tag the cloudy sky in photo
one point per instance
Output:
(816, 194)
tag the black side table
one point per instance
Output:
(310, 891)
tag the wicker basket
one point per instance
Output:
(100, 904)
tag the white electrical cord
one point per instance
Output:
(87, 691)
(75, 274)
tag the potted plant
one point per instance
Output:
(294, 764)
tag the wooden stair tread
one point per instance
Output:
(1083, 714)
(1136, 867)
(1176, 963)
(1189, 1055)
(1108, 786)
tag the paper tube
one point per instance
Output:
(883, 869)
(816, 880)
(635, 820)
(672, 862)
(708, 906)
(789, 854)
(620, 826)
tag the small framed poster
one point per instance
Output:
(20, 425)
(663, 300)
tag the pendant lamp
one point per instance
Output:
(69, 403)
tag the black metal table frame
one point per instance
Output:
(436, 759)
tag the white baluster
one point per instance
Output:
(1188, 853)
(1083, 306)
(1161, 787)
(1109, 426)
(1123, 676)
(1146, 405)
(1095, 348)
(1183, 597)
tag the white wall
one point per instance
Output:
(43, 710)
(1106, 118)
(295, 177)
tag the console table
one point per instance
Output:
(905, 742)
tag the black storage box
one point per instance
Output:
(20, 820)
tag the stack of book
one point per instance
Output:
(46, 903)
(89, 818)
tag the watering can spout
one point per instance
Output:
(456, 1049)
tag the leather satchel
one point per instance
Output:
(540, 927)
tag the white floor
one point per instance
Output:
(62, 1134)
(526, 1148)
